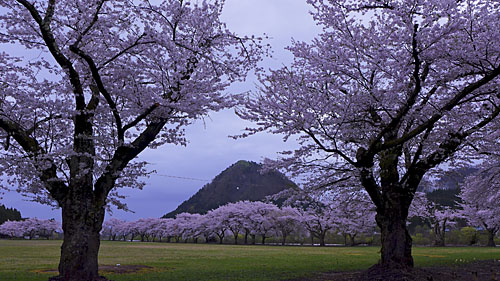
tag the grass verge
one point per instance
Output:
(30, 260)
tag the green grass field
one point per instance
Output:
(27, 260)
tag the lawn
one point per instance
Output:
(29, 260)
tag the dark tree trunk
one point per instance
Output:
(283, 240)
(396, 241)
(221, 238)
(392, 197)
(491, 238)
(246, 237)
(263, 239)
(321, 240)
(352, 237)
(439, 234)
(79, 252)
(253, 238)
(235, 235)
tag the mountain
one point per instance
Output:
(241, 181)
(454, 178)
(445, 197)
(449, 184)
(9, 214)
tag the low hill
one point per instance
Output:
(241, 181)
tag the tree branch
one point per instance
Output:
(447, 107)
(122, 156)
(141, 117)
(100, 85)
(49, 178)
(375, 146)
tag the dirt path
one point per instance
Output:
(474, 271)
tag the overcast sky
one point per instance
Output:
(210, 150)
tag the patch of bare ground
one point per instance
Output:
(488, 270)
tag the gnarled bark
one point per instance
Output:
(395, 239)
(81, 222)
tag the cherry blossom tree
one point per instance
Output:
(261, 220)
(255, 217)
(161, 229)
(318, 222)
(480, 195)
(31, 228)
(438, 218)
(218, 225)
(388, 91)
(108, 80)
(234, 217)
(111, 228)
(11, 229)
(204, 223)
(285, 221)
(353, 214)
(189, 225)
(317, 217)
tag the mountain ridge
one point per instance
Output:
(243, 180)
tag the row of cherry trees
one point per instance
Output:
(250, 220)
(32, 227)
(346, 213)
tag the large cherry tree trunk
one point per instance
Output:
(81, 221)
(321, 239)
(392, 198)
(491, 238)
(395, 239)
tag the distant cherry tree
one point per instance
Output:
(189, 225)
(258, 220)
(112, 228)
(32, 227)
(11, 229)
(318, 222)
(437, 217)
(99, 82)
(347, 211)
(480, 195)
(388, 91)
(285, 221)
(353, 214)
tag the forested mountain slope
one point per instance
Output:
(241, 181)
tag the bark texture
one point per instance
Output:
(79, 252)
